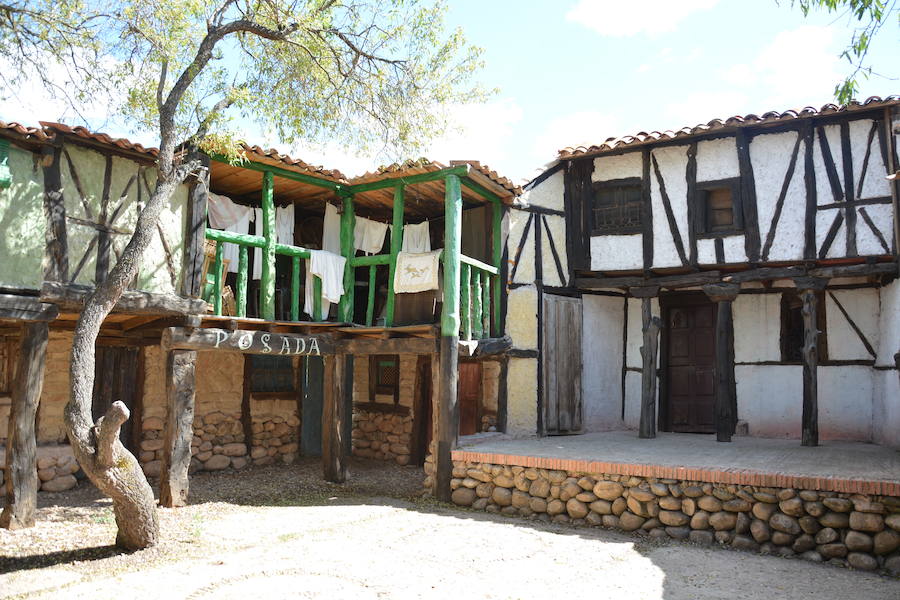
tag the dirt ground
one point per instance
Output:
(281, 532)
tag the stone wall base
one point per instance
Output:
(860, 531)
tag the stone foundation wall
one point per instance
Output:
(383, 436)
(862, 531)
(57, 468)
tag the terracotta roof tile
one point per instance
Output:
(23, 130)
(642, 137)
(425, 165)
(85, 133)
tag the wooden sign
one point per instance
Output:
(247, 342)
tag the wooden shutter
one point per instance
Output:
(561, 366)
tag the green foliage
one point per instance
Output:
(872, 15)
(362, 72)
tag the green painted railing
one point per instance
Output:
(244, 243)
(476, 280)
(371, 263)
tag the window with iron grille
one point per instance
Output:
(617, 206)
(271, 374)
(384, 377)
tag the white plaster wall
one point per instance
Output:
(757, 327)
(557, 227)
(717, 159)
(886, 392)
(621, 166)
(22, 222)
(845, 403)
(875, 183)
(521, 402)
(770, 399)
(863, 307)
(521, 317)
(889, 324)
(548, 193)
(525, 270)
(672, 166)
(617, 252)
(770, 155)
(633, 400)
(732, 245)
(823, 187)
(601, 385)
(867, 243)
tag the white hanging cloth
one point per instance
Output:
(331, 230)
(284, 232)
(226, 215)
(416, 238)
(368, 235)
(330, 269)
(417, 272)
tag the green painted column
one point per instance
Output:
(498, 286)
(396, 244)
(219, 278)
(348, 251)
(267, 284)
(452, 246)
(243, 268)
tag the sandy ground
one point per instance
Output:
(283, 533)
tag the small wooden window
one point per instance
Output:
(617, 206)
(271, 374)
(384, 377)
(792, 327)
(719, 207)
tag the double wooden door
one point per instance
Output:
(690, 366)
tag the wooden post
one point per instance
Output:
(56, 250)
(334, 415)
(809, 287)
(267, 282)
(21, 448)
(723, 294)
(396, 245)
(348, 250)
(476, 317)
(370, 300)
(295, 288)
(174, 481)
(650, 327)
(448, 410)
(243, 267)
(219, 278)
(497, 259)
(465, 301)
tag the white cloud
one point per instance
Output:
(621, 19)
(702, 107)
(574, 129)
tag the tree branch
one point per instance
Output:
(108, 427)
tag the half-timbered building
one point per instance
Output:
(737, 277)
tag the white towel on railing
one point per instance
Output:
(330, 269)
(225, 214)
(417, 272)
(284, 232)
(331, 230)
(416, 238)
(368, 235)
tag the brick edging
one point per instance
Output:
(712, 475)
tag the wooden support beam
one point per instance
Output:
(26, 308)
(447, 412)
(723, 294)
(348, 251)
(667, 281)
(396, 245)
(267, 281)
(335, 413)
(56, 250)
(180, 386)
(808, 287)
(650, 328)
(498, 243)
(195, 234)
(21, 447)
(451, 256)
(387, 346)
(71, 297)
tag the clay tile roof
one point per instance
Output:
(23, 130)
(295, 163)
(614, 143)
(425, 165)
(85, 133)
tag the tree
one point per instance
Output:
(370, 72)
(872, 15)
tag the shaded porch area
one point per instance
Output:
(849, 467)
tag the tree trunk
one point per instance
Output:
(96, 446)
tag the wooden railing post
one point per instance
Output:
(477, 329)
(464, 301)
(241, 294)
(219, 278)
(348, 250)
(396, 245)
(267, 283)
(486, 304)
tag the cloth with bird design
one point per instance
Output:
(417, 272)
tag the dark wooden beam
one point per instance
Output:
(26, 308)
(765, 274)
(650, 328)
(809, 286)
(748, 196)
(723, 294)
(667, 281)
(447, 413)
(861, 270)
(56, 250)
(248, 342)
(21, 447)
(335, 412)
(71, 297)
(180, 387)
(388, 346)
(195, 236)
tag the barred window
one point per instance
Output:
(617, 206)
(271, 374)
(384, 377)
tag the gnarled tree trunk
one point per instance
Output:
(112, 468)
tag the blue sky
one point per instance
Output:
(579, 71)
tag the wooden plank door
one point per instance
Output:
(561, 366)
(469, 397)
(118, 375)
(691, 369)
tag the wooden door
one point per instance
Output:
(469, 392)
(118, 375)
(561, 366)
(690, 366)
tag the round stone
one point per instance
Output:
(587, 483)
(765, 497)
(865, 521)
(764, 510)
(538, 505)
(539, 488)
(463, 496)
(556, 507)
(64, 482)
(723, 521)
(606, 490)
(641, 495)
(722, 494)
(673, 518)
(630, 521)
(809, 525)
(700, 520)
(217, 463)
(893, 521)
(520, 499)
(710, 504)
(862, 561)
(692, 491)
(780, 538)
(816, 509)
(594, 519)
(678, 533)
(484, 490)
(835, 520)
(826, 536)
(619, 506)
(568, 490)
(742, 525)
(659, 489)
(811, 556)
(601, 507)
(701, 537)
(792, 507)
(501, 496)
(576, 508)
(833, 550)
(670, 503)
(809, 495)
(804, 543)
(688, 506)
(858, 542)
(742, 542)
(736, 505)
(838, 504)
(611, 521)
(760, 531)
(886, 542)
(784, 523)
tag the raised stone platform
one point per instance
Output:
(849, 467)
